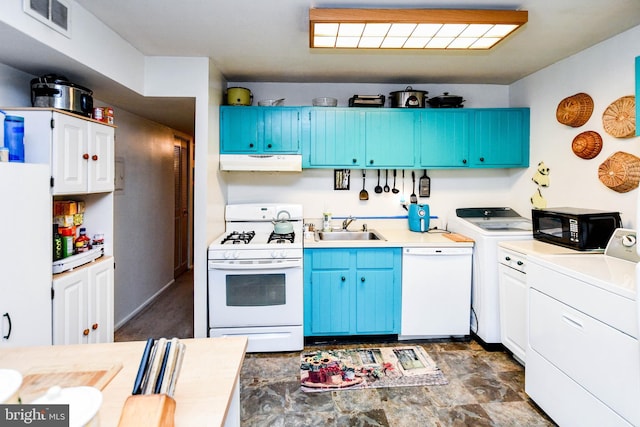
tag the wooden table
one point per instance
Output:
(208, 382)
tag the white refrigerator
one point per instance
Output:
(25, 254)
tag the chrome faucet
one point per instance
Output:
(347, 222)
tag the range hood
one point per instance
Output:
(261, 162)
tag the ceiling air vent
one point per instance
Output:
(54, 13)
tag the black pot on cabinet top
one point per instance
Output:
(446, 101)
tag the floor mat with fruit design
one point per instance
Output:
(349, 369)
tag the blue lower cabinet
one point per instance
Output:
(352, 291)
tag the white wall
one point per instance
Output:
(15, 87)
(144, 212)
(606, 72)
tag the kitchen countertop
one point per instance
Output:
(396, 233)
(536, 247)
(208, 376)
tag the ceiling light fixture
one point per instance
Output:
(449, 29)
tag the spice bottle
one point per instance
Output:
(83, 241)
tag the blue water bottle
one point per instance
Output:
(14, 137)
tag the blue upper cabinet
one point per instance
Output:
(444, 138)
(361, 138)
(238, 130)
(381, 138)
(637, 92)
(336, 138)
(390, 137)
(260, 130)
(500, 138)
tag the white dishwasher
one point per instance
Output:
(436, 292)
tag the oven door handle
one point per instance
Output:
(257, 266)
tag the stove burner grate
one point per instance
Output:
(236, 237)
(281, 238)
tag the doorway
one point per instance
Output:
(183, 212)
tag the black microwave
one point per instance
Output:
(575, 228)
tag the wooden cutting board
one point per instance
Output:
(37, 381)
(457, 237)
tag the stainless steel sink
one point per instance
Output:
(348, 235)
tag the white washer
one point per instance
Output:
(487, 227)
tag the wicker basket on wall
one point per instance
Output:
(620, 172)
(575, 110)
(619, 119)
(587, 145)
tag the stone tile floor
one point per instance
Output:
(485, 389)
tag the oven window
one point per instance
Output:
(256, 290)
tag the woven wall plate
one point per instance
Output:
(620, 172)
(575, 110)
(619, 119)
(587, 145)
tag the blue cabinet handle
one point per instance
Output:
(362, 279)
(343, 278)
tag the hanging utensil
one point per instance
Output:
(424, 188)
(413, 198)
(386, 181)
(394, 190)
(378, 189)
(363, 193)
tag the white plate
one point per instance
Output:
(10, 382)
(84, 403)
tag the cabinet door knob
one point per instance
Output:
(362, 279)
(520, 263)
(507, 258)
(85, 156)
(85, 332)
(371, 161)
(354, 161)
(269, 146)
(6, 337)
(464, 161)
(343, 278)
(94, 326)
(482, 159)
(94, 157)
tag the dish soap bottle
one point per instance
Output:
(326, 221)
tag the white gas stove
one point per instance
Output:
(255, 277)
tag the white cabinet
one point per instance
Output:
(83, 304)
(512, 281)
(25, 255)
(78, 155)
(79, 150)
